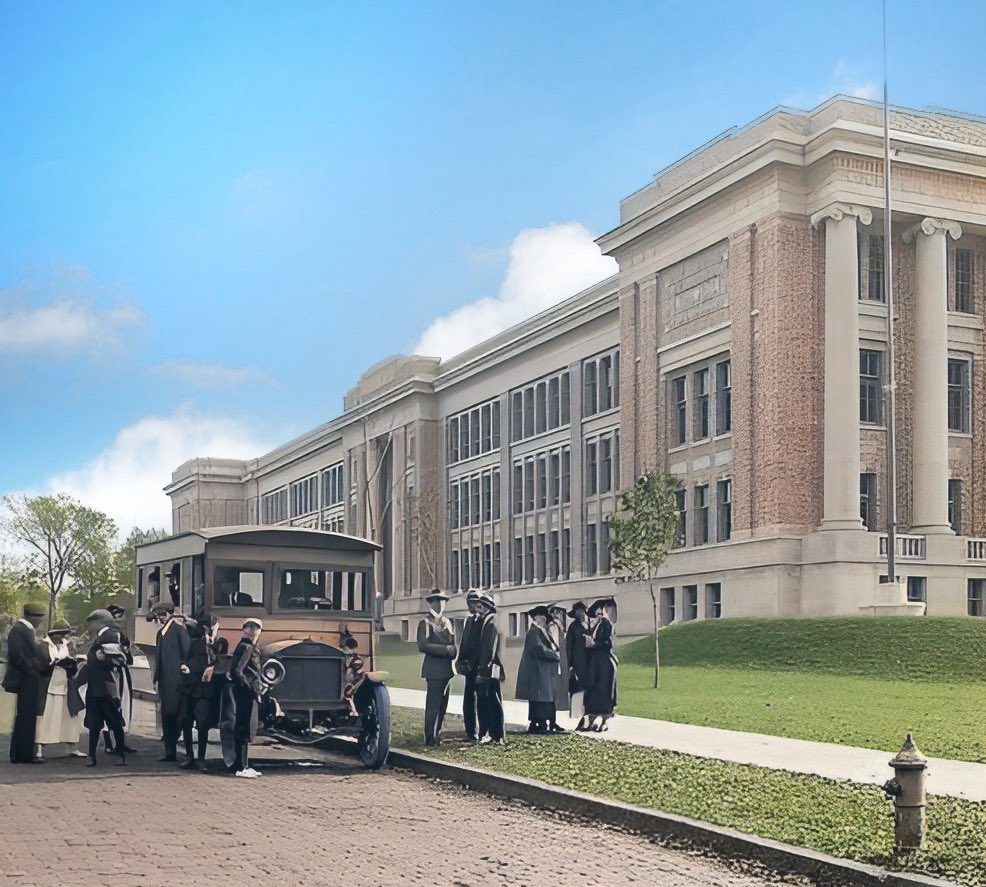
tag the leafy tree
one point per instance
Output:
(65, 540)
(642, 532)
(18, 587)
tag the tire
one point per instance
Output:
(374, 737)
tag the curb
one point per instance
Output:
(786, 858)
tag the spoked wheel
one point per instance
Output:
(374, 736)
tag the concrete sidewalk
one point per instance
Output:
(959, 779)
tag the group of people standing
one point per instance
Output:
(568, 663)
(53, 686)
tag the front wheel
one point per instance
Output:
(374, 736)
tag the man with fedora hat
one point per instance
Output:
(465, 664)
(489, 672)
(27, 662)
(436, 639)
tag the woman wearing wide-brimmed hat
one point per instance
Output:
(600, 692)
(59, 722)
(578, 663)
(537, 676)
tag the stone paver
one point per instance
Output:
(151, 825)
(960, 779)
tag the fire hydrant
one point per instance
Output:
(907, 791)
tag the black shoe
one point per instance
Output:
(91, 762)
(129, 750)
(557, 728)
(168, 759)
(190, 765)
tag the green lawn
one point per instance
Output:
(864, 682)
(844, 819)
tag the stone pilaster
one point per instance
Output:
(841, 433)
(930, 384)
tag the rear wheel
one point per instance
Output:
(374, 736)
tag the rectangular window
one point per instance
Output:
(977, 588)
(616, 460)
(477, 567)
(964, 277)
(496, 494)
(453, 440)
(488, 497)
(605, 383)
(870, 386)
(700, 392)
(514, 625)
(591, 469)
(476, 501)
(955, 505)
(496, 424)
(542, 481)
(616, 378)
(529, 559)
(724, 510)
(466, 575)
(605, 464)
(679, 498)
(604, 547)
(554, 402)
(590, 389)
(554, 558)
(917, 589)
(874, 269)
(867, 500)
(701, 524)
(496, 564)
(591, 550)
(554, 478)
(566, 399)
(667, 606)
(518, 561)
(691, 602)
(238, 586)
(455, 580)
(518, 488)
(566, 553)
(528, 485)
(332, 485)
(464, 502)
(274, 507)
(464, 436)
(528, 412)
(486, 421)
(487, 565)
(542, 560)
(679, 430)
(475, 436)
(713, 601)
(566, 475)
(959, 395)
(453, 506)
(517, 417)
(724, 397)
(540, 408)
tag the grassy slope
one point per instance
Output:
(841, 818)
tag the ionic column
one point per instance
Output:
(930, 382)
(841, 491)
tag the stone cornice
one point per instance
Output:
(932, 226)
(838, 211)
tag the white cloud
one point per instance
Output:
(845, 79)
(546, 265)
(67, 324)
(208, 375)
(125, 480)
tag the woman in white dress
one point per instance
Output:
(57, 725)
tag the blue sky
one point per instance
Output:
(216, 215)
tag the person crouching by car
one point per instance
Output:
(102, 692)
(244, 673)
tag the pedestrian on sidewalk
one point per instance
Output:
(246, 685)
(489, 673)
(59, 722)
(537, 675)
(172, 648)
(556, 630)
(124, 682)
(600, 692)
(103, 709)
(465, 665)
(578, 663)
(27, 664)
(436, 640)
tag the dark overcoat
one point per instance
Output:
(436, 639)
(27, 664)
(172, 649)
(465, 660)
(488, 664)
(537, 676)
(578, 655)
(600, 691)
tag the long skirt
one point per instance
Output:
(600, 692)
(541, 711)
(56, 725)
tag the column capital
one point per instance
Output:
(931, 226)
(839, 211)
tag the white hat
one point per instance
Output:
(253, 621)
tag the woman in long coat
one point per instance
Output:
(556, 629)
(600, 693)
(578, 663)
(537, 675)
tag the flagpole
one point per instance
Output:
(889, 299)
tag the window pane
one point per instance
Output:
(590, 399)
(540, 408)
(528, 412)
(566, 399)
(554, 403)
(238, 587)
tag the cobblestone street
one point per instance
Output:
(149, 825)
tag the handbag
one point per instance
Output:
(574, 684)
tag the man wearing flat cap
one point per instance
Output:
(436, 639)
(27, 662)
(465, 664)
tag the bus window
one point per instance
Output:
(238, 586)
(301, 588)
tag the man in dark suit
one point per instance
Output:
(436, 639)
(172, 650)
(124, 681)
(465, 664)
(229, 595)
(27, 662)
(489, 672)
